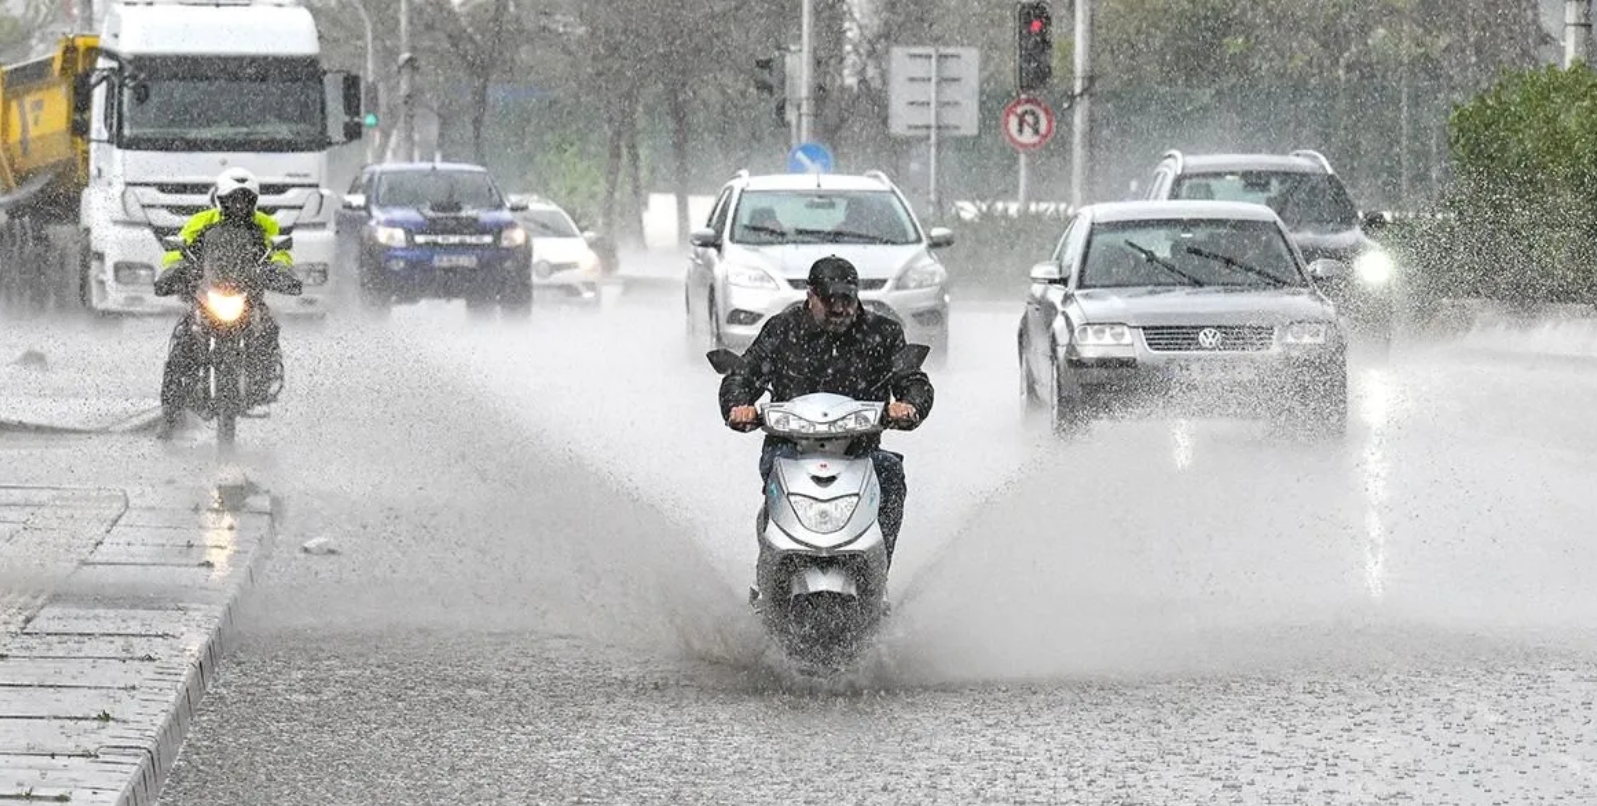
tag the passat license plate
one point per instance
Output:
(455, 261)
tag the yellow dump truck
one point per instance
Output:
(44, 166)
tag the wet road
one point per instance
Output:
(544, 546)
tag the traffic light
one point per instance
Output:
(371, 120)
(766, 78)
(1034, 52)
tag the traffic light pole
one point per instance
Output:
(1081, 121)
(807, 71)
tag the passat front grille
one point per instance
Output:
(1209, 338)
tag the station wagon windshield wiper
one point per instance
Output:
(1236, 264)
(1148, 255)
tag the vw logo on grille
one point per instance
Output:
(1209, 338)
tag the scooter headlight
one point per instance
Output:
(223, 306)
(824, 517)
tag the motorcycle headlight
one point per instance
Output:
(223, 306)
(824, 517)
(388, 236)
(513, 236)
(1306, 333)
(1374, 267)
(924, 275)
(749, 277)
(1103, 335)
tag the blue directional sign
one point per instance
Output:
(809, 158)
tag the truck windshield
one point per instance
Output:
(216, 104)
(438, 190)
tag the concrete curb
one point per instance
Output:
(145, 420)
(219, 640)
(136, 632)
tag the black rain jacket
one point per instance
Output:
(794, 356)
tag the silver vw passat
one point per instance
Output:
(1207, 305)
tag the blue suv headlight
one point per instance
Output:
(388, 236)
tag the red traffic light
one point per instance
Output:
(1037, 26)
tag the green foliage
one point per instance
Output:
(994, 253)
(1525, 152)
(571, 174)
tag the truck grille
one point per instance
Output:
(1209, 338)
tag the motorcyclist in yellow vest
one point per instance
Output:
(235, 195)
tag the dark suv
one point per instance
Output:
(434, 230)
(1306, 193)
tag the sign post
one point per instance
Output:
(935, 93)
(1028, 125)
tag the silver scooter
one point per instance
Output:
(823, 562)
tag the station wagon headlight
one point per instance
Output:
(1103, 335)
(749, 277)
(924, 275)
(824, 517)
(388, 236)
(1374, 267)
(1306, 333)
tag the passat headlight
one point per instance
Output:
(388, 236)
(1103, 335)
(512, 236)
(824, 517)
(1374, 267)
(1306, 333)
(924, 275)
(749, 277)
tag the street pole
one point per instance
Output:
(1577, 30)
(937, 104)
(1024, 166)
(807, 71)
(406, 86)
(1081, 121)
(371, 76)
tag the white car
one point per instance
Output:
(563, 260)
(752, 259)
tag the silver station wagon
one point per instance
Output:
(1206, 306)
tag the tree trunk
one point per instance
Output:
(639, 201)
(479, 117)
(680, 131)
(620, 130)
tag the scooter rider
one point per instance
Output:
(235, 195)
(831, 344)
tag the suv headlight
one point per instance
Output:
(1374, 267)
(749, 277)
(824, 517)
(1103, 335)
(924, 275)
(512, 236)
(388, 236)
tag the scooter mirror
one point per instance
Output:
(910, 358)
(725, 361)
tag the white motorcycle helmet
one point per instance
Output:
(236, 185)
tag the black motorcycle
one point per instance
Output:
(235, 272)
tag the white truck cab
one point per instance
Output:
(185, 89)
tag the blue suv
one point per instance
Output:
(436, 231)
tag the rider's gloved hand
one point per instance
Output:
(743, 418)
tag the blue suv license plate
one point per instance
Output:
(455, 261)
